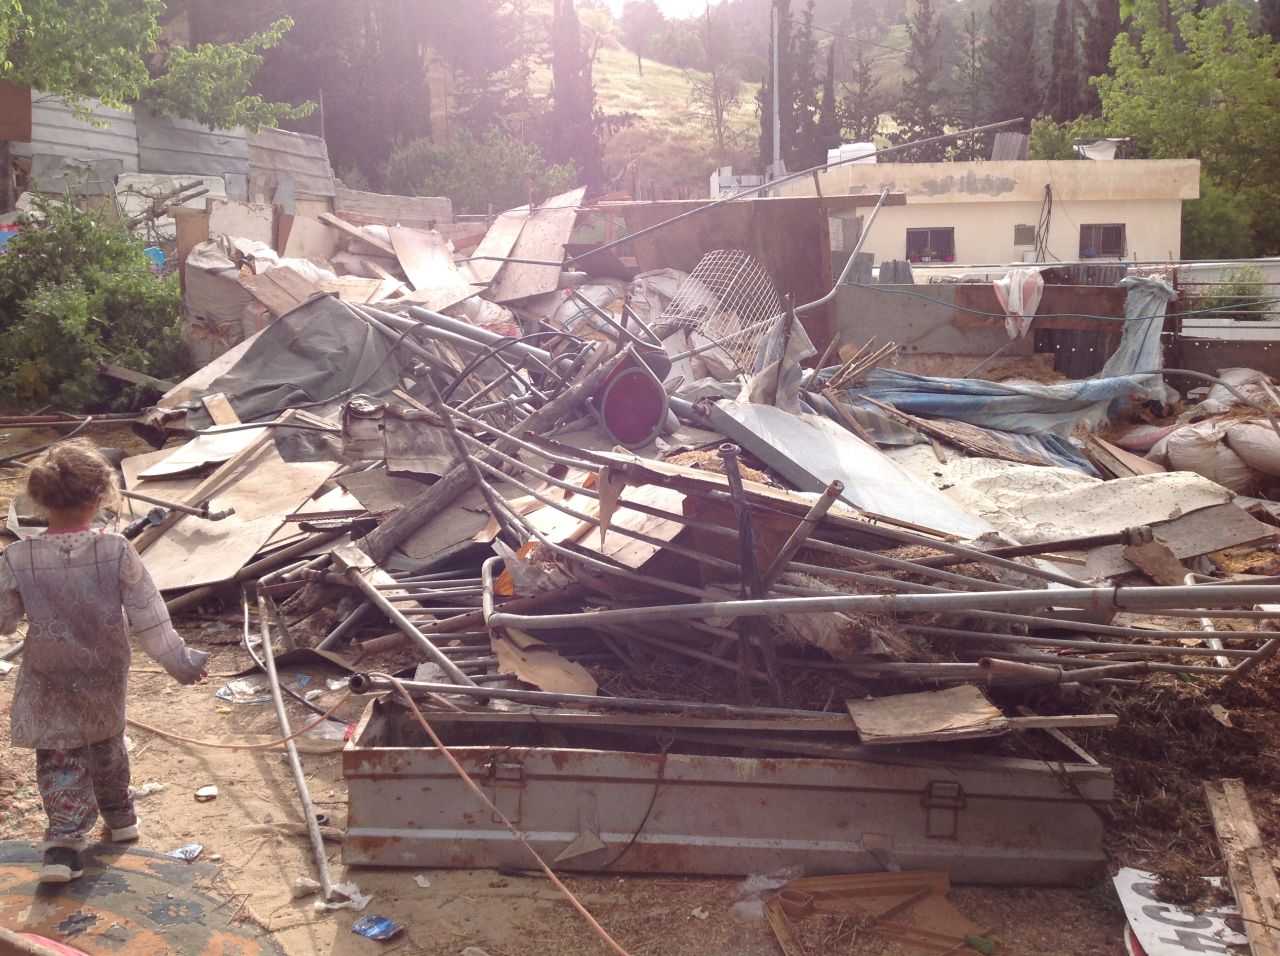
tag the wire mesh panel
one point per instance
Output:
(730, 299)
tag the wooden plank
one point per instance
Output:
(834, 723)
(1156, 561)
(497, 242)
(354, 232)
(1249, 870)
(136, 378)
(220, 409)
(281, 289)
(543, 237)
(957, 713)
(1116, 461)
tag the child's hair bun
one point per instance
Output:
(70, 475)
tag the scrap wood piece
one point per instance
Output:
(496, 245)
(539, 664)
(261, 491)
(465, 236)
(354, 232)
(134, 378)
(1115, 461)
(1249, 870)
(214, 447)
(957, 713)
(1157, 561)
(220, 409)
(907, 909)
(281, 289)
(426, 260)
(543, 237)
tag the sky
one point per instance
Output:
(672, 8)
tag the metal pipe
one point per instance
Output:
(408, 629)
(376, 684)
(1207, 624)
(345, 627)
(802, 532)
(12, 652)
(848, 266)
(1107, 599)
(1098, 646)
(1038, 658)
(476, 335)
(291, 750)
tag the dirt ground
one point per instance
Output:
(1168, 742)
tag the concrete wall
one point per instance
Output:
(983, 202)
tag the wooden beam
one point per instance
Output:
(135, 378)
(329, 219)
(1249, 870)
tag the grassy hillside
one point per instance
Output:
(666, 142)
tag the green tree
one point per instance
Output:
(829, 108)
(920, 114)
(802, 141)
(1010, 80)
(1065, 96)
(861, 106)
(1210, 92)
(968, 108)
(716, 90)
(1269, 14)
(641, 22)
(104, 49)
(477, 172)
(1102, 24)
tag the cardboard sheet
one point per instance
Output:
(952, 714)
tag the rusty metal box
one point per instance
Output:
(983, 819)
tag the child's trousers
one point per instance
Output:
(77, 784)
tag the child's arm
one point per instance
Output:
(11, 608)
(149, 619)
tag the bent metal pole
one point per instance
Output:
(1105, 599)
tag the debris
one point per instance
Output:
(189, 852)
(304, 886)
(147, 789)
(422, 881)
(207, 793)
(1164, 929)
(1249, 871)
(376, 927)
(346, 896)
(700, 913)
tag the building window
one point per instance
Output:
(1104, 240)
(1024, 235)
(931, 245)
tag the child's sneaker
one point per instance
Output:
(125, 834)
(61, 865)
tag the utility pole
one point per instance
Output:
(777, 115)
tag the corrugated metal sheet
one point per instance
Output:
(103, 135)
(177, 146)
(277, 156)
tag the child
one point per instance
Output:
(76, 587)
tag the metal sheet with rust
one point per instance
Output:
(998, 821)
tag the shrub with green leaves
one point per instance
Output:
(76, 290)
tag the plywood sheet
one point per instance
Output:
(195, 552)
(310, 239)
(497, 243)
(543, 237)
(281, 289)
(426, 260)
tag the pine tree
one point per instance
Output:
(829, 111)
(1009, 64)
(1269, 12)
(806, 147)
(1102, 26)
(968, 105)
(919, 114)
(860, 107)
(1065, 96)
(573, 134)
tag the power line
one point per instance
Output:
(847, 36)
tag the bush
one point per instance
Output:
(76, 290)
(475, 172)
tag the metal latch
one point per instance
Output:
(941, 800)
(506, 784)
